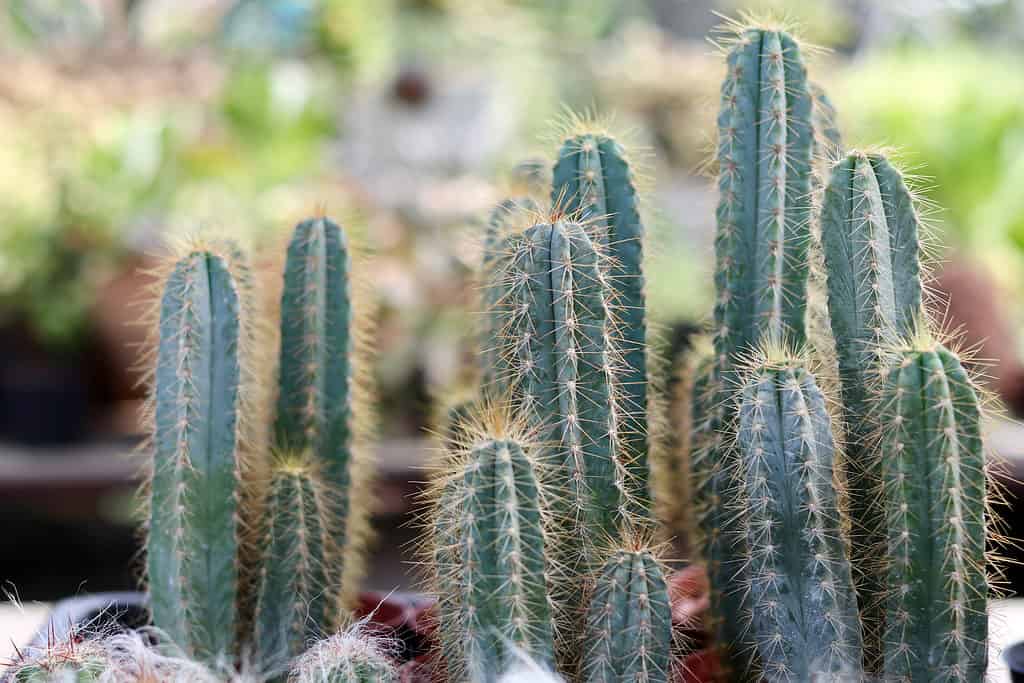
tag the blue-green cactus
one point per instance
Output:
(193, 535)
(593, 182)
(628, 634)
(804, 615)
(936, 620)
(870, 239)
(491, 561)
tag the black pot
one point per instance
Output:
(1014, 656)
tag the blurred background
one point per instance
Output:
(125, 121)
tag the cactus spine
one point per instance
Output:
(490, 561)
(628, 634)
(804, 612)
(316, 405)
(870, 241)
(593, 180)
(193, 535)
(556, 339)
(934, 476)
(294, 599)
(66, 662)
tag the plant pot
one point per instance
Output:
(1014, 656)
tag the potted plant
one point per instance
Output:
(541, 533)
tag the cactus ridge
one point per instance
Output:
(804, 613)
(764, 157)
(490, 546)
(294, 601)
(628, 633)
(193, 530)
(870, 243)
(321, 403)
(558, 340)
(354, 655)
(593, 179)
(935, 491)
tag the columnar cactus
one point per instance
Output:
(490, 559)
(294, 600)
(565, 368)
(870, 239)
(934, 467)
(350, 656)
(317, 409)
(593, 181)
(628, 634)
(765, 136)
(193, 533)
(804, 611)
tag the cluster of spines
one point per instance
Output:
(804, 616)
(354, 655)
(628, 632)
(593, 179)
(934, 475)
(294, 602)
(69, 661)
(871, 246)
(492, 573)
(195, 483)
(320, 377)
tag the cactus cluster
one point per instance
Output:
(830, 473)
(827, 563)
(254, 534)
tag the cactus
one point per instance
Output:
(765, 137)
(564, 375)
(193, 534)
(501, 224)
(594, 182)
(934, 490)
(490, 559)
(317, 406)
(628, 634)
(870, 240)
(350, 656)
(804, 611)
(294, 600)
(69, 661)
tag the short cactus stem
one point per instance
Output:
(765, 135)
(491, 568)
(70, 661)
(317, 403)
(871, 246)
(628, 634)
(936, 621)
(804, 611)
(350, 656)
(593, 180)
(191, 559)
(294, 599)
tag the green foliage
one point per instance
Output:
(193, 535)
(628, 634)
(936, 620)
(804, 610)
(491, 562)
